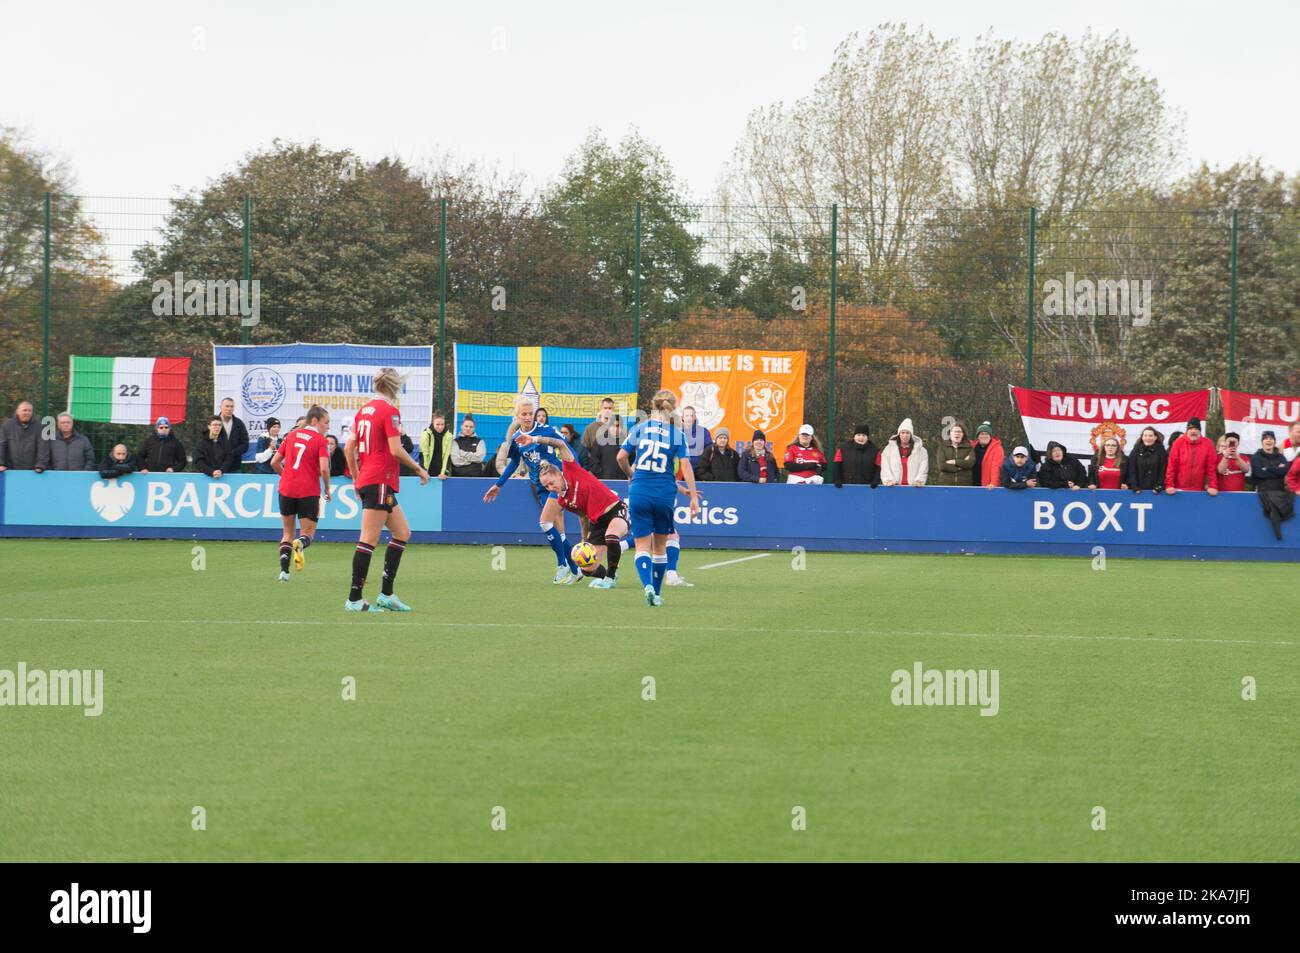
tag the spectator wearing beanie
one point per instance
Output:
(1018, 471)
(720, 461)
(804, 460)
(989, 457)
(1146, 465)
(1060, 471)
(1191, 463)
(1269, 467)
(856, 460)
(1108, 466)
(757, 463)
(956, 458)
(904, 461)
(1231, 466)
(266, 446)
(162, 451)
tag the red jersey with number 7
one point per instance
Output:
(373, 425)
(302, 451)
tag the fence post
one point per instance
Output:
(248, 217)
(830, 394)
(1232, 311)
(1029, 306)
(442, 305)
(45, 317)
(636, 283)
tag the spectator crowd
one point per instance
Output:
(1187, 461)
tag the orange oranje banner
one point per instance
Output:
(741, 390)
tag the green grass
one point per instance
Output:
(773, 690)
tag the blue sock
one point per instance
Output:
(568, 555)
(643, 568)
(674, 553)
(658, 569)
(556, 541)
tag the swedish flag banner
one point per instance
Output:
(569, 382)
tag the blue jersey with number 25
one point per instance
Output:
(654, 447)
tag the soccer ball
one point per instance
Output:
(585, 555)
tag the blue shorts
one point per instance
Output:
(651, 515)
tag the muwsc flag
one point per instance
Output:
(1083, 421)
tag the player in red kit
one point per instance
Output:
(579, 491)
(374, 453)
(303, 462)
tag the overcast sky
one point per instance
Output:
(143, 98)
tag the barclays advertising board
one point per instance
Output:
(734, 515)
(182, 504)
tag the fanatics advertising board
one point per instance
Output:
(742, 390)
(127, 390)
(1251, 414)
(1082, 421)
(284, 380)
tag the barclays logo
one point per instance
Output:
(111, 499)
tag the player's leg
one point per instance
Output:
(307, 533)
(659, 564)
(674, 553)
(608, 532)
(286, 547)
(399, 534)
(374, 514)
(552, 524)
(643, 531)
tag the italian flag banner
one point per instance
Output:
(1249, 415)
(1081, 422)
(128, 390)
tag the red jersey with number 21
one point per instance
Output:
(585, 494)
(302, 452)
(373, 425)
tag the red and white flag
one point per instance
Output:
(1251, 414)
(1082, 421)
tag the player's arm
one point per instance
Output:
(396, 449)
(562, 448)
(325, 474)
(625, 462)
(688, 474)
(350, 455)
(512, 464)
(277, 461)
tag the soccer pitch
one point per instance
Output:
(223, 690)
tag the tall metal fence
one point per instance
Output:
(903, 313)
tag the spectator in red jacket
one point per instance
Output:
(804, 460)
(1192, 463)
(1293, 478)
(989, 457)
(1231, 466)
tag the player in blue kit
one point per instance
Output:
(647, 457)
(552, 518)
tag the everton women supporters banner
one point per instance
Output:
(569, 382)
(283, 380)
(1082, 421)
(1249, 415)
(741, 390)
